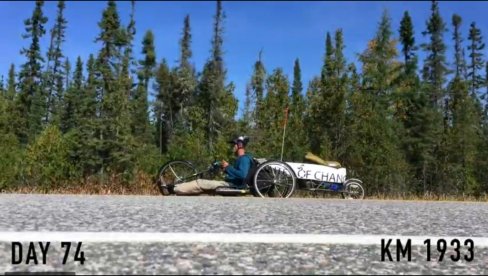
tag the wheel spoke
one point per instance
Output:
(171, 168)
(354, 191)
(274, 179)
(282, 185)
(281, 195)
(175, 172)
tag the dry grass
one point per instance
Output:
(144, 184)
(141, 185)
(403, 197)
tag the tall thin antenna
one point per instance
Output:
(161, 130)
(284, 130)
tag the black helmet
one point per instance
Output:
(240, 141)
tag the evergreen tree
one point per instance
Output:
(327, 120)
(313, 114)
(258, 80)
(125, 75)
(163, 106)
(11, 90)
(70, 116)
(185, 82)
(3, 92)
(185, 44)
(141, 127)
(458, 48)
(67, 73)
(435, 67)
(32, 99)
(12, 117)
(327, 68)
(408, 81)
(407, 39)
(115, 137)
(322, 103)
(86, 150)
(339, 59)
(476, 47)
(313, 97)
(434, 74)
(245, 123)
(463, 142)
(296, 138)
(53, 83)
(340, 86)
(485, 96)
(376, 146)
(274, 105)
(214, 96)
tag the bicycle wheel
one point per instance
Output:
(353, 190)
(274, 179)
(174, 173)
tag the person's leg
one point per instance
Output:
(209, 185)
(188, 188)
(199, 186)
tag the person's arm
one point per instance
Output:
(241, 170)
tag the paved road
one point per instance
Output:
(243, 215)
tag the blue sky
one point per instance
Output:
(283, 30)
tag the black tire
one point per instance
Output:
(273, 182)
(165, 181)
(353, 190)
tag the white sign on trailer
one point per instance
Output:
(319, 172)
(315, 172)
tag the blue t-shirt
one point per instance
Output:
(237, 173)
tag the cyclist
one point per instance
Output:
(235, 175)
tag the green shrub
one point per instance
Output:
(48, 160)
(148, 159)
(10, 161)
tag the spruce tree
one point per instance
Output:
(321, 104)
(274, 104)
(185, 44)
(11, 108)
(458, 48)
(31, 103)
(3, 91)
(11, 90)
(214, 96)
(327, 121)
(88, 148)
(485, 96)
(475, 47)
(296, 141)
(463, 141)
(53, 83)
(313, 100)
(141, 127)
(258, 80)
(70, 114)
(407, 38)
(434, 75)
(380, 158)
(435, 66)
(163, 106)
(340, 87)
(185, 82)
(245, 122)
(67, 73)
(328, 66)
(115, 137)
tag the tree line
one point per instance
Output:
(400, 124)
